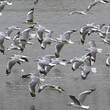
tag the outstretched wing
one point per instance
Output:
(82, 96)
(75, 100)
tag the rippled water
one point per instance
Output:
(53, 14)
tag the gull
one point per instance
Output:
(35, 80)
(41, 30)
(87, 30)
(93, 50)
(108, 60)
(3, 4)
(78, 102)
(43, 66)
(16, 45)
(107, 36)
(86, 68)
(63, 39)
(57, 88)
(95, 2)
(14, 60)
(2, 38)
(25, 36)
(46, 63)
(30, 17)
(78, 12)
(47, 40)
(76, 63)
(11, 29)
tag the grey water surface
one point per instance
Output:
(53, 14)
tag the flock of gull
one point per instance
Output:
(45, 63)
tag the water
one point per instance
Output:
(53, 14)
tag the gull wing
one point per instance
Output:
(75, 100)
(82, 96)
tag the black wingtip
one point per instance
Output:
(7, 72)
(92, 89)
(32, 94)
(57, 55)
(82, 42)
